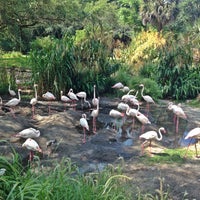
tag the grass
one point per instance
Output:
(14, 59)
(169, 156)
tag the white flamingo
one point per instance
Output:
(83, 97)
(34, 100)
(49, 97)
(84, 124)
(11, 92)
(64, 99)
(28, 133)
(178, 113)
(95, 100)
(194, 133)
(14, 102)
(118, 85)
(142, 119)
(116, 115)
(94, 115)
(151, 135)
(147, 98)
(31, 145)
(72, 96)
(132, 112)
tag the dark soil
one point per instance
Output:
(182, 181)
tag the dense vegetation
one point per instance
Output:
(81, 43)
(76, 44)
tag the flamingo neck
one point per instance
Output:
(19, 96)
(94, 92)
(142, 91)
(35, 92)
(160, 135)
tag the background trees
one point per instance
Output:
(100, 39)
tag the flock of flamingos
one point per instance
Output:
(124, 108)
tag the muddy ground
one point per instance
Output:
(182, 181)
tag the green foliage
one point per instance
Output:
(63, 181)
(176, 75)
(150, 87)
(3, 80)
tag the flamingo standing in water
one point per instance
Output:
(147, 98)
(31, 145)
(178, 113)
(28, 133)
(34, 100)
(94, 115)
(11, 92)
(83, 97)
(116, 115)
(14, 102)
(142, 119)
(132, 112)
(84, 124)
(95, 100)
(64, 99)
(49, 97)
(72, 96)
(151, 135)
(194, 133)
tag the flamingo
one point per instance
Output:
(31, 145)
(132, 112)
(142, 119)
(28, 133)
(14, 102)
(34, 101)
(178, 113)
(194, 133)
(95, 101)
(116, 115)
(126, 98)
(151, 135)
(84, 124)
(49, 97)
(72, 96)
(95, 114)
(11, 92)
(125, 89)
(147, 98)
(64, 99)
(118, 85)
(83, 97)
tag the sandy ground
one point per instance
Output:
(181, 181)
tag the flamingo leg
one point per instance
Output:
(188, 148)
(31, 156)
(94, 125)
(49, 109)
(84, 136)
(13, 113)
(177, 124)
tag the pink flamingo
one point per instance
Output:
(14, 102)
(49, 97)
(147, 98)
(83, 97)
(178, 113)
(31, 145)
(95, 114)
(151, 135)
(132, 112)
(84, 124)
(194, 133)
(34, 100)
(64, 99)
